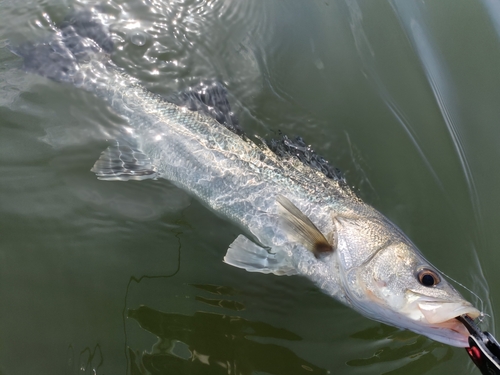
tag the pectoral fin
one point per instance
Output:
(302, 229)
(122, 162)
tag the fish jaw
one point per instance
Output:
(436, 319)
(447, 330)
(451, 332)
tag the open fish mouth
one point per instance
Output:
(454, 332)
(451, 332)
(443, 323)
(436, 317)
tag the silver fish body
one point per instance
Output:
(300, 221)
(373, 268)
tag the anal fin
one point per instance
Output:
(122, 162)
(243, 253)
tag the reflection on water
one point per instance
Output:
(89, 359)
(219, 343)
(219, 290)
(403, 351)
(231, 305)
(213, 343)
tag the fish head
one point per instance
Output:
(386, 278)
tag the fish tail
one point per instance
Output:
(80, 36)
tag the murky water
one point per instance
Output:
(127, 278)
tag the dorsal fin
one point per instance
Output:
(286, 147)
(209, 98)
(301, 228)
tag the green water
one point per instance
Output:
(127, 278)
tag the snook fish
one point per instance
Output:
(300, 214)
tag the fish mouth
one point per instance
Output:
(443, 323)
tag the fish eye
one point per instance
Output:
(428, 277)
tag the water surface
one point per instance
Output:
(127, 278)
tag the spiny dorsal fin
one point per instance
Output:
(301, 228)
(209, 98)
